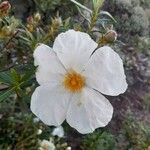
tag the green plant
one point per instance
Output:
(100, 141)
(18, 132)
(137, 133)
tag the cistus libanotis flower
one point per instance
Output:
(73, 80)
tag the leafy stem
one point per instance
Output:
(93, 21)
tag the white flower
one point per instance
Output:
(59, 131)
(47, 145)
(72, 81)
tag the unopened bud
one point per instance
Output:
(30, 20)
(110, 36)
(57, 21)
(37, 17)
(5, 32)
(4, 8)
(30, 24)
(30, 27)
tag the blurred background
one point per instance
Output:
(122, 24)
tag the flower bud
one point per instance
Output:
(5, 31)
(110, 36)
(37, 17)
(30, 20)
(30, 27)
(57, 21)
(30, 24)
(4, 8)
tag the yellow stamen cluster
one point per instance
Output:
(73, 81)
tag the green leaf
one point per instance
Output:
(5, 78)
(24, 38)
(67, 23)
(81, 6)
(108, 14)
(97, 4)
(28, 76)
(15, 76)
(83, 15)
(6, 94)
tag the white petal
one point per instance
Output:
(88, 111)
(50, 103)
(48, 64)
(104, 72)
(58, 131)
(74, 49)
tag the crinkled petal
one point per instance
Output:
(50, 103)
(74, 49)
(48, 64)
(88, 111)
(105, 73)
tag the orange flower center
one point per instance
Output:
(73, 81)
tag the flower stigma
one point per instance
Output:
(73, 81)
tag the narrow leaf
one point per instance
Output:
(5, 78)
(6, 94)
(81, 6)
(108, 14)
(15, 76)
